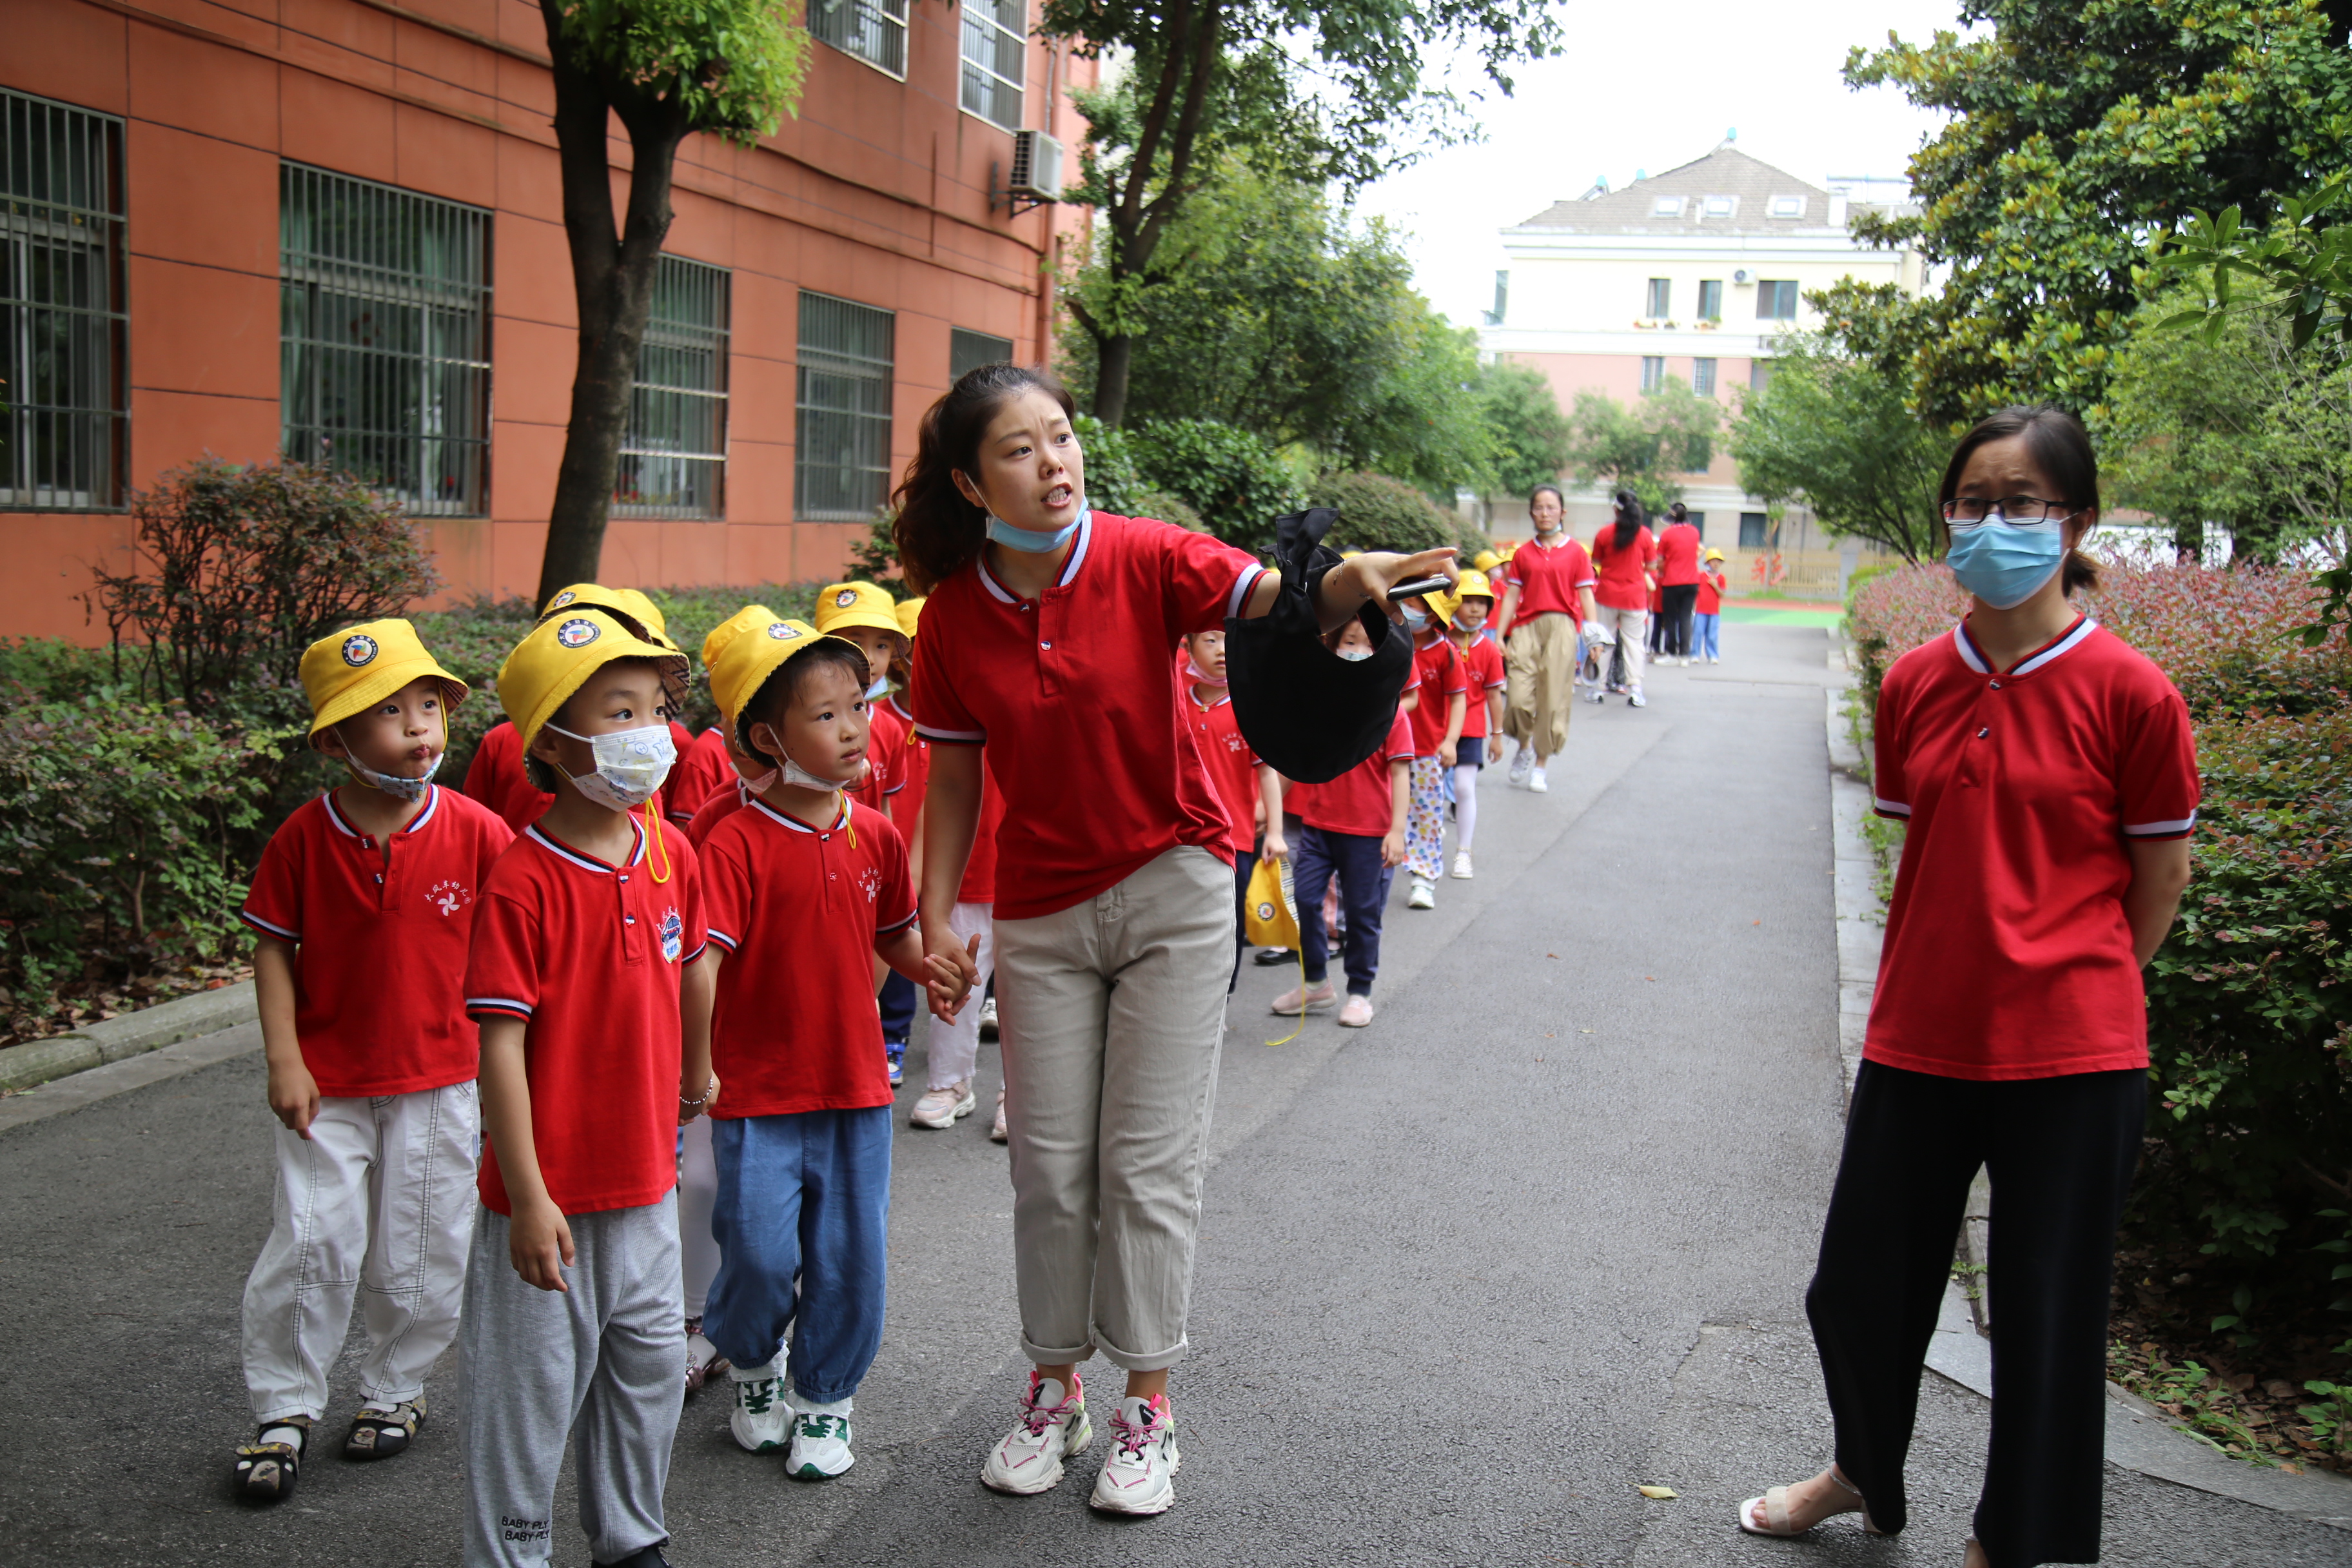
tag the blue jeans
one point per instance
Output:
(1363, 893)
(896, 1005)
(803, 1201)
(1710, 628)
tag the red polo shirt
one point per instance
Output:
(799, 910)
(1443, 678)
(1619, 572)
(1678, 555)
(1548, 577)
(717, 807)
(1232, 768)
(701, 768)
(1072, 696)
(380, 945)
(1710, 592)
(1357, 801)
(980, 872)
(2007, 952)
(915, 767)
(1482, 662)
(589, 955)
(886, 751)
(495, 777)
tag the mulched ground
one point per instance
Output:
(87, 1001)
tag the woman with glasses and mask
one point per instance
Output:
(2048, 782)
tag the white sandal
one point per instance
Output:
(1776, 1510)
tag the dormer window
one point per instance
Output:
(1788, 207)
(1666, 207)
(1720, 206)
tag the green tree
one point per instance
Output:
(1319, 91)
(666, 68)
(1527, 434)
(2075, 127)
(1831, 432)
(1645, 448)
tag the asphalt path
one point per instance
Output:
(1467, 1278)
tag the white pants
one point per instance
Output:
(1631, 626)
(955, 1047)
(376, 1203)
(697, 1193)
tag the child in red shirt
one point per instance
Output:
(808, 883)
(1437, 722)
(1252, 797)
(1483, 673)
(1708, 617)
(1353, 826)
(372, 1080)
(595, 1025)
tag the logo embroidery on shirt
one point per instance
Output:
(577, 634)
(780, 632)
(871, 880)
(845, 598)
(673, 932)
(1232, 742)
(449, 897)
(358, 650)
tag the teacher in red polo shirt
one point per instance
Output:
(2047, 774)
(1046, 639)
(1547, 600)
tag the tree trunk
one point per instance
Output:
(1114, 357)
(613, 284)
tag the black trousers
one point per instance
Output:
(2060, 1153)
(1679, 601)
(1244, 864)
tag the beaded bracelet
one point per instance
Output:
(709, 1089)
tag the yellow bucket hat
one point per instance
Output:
(1714, 554)
(1486, 561)
(840, 604)
(724, 635)
(908, 612)
(628, 601)
(753, 656)
(558, 656)
(350, 671)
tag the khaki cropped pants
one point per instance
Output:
(1111, 1014)
(1539, 662)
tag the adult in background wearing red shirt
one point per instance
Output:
(1547, 600)
(1620, 559)
(2050, 782)
(1678, 579)
(1046, 639)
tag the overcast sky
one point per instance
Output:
(1650, 86)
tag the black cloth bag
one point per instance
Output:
(1308, 713)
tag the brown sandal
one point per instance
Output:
(380, 1432)
(266, 1470)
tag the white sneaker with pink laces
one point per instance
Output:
(1139, 1473)
(1053, 1426)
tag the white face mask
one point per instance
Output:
(391, 784)
(630, 765)
(798, 777)
(1355, 655)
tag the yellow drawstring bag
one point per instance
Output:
(1273, 921)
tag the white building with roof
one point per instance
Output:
(1689, 274)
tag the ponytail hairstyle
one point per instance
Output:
(1679, 512)
(937, 532)
(1630, 518)
(2061, 449)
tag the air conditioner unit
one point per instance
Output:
(1036, 167)
(1740, 275)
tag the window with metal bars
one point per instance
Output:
(674, 452)
(1653, 372)
(874, 31)
(968, 349)
(61, 318)
(1703, 377)
(384, 303)
(995, 33)
(841, 464)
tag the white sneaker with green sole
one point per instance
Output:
(820, 1440)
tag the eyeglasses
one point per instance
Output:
(1968, 512)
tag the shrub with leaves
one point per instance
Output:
(1376, 512)
(1235, 482)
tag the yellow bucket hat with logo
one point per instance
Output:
(751, 617)
(756, 654)
(628, 601)
(560, 655)
(910, 611)
(1486, 561)
(1471, 584)
(840, 604)
(350, 671)
(734, 644)
(1714, 554)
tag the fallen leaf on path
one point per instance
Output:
(1662, 1494)
(1584, 1031)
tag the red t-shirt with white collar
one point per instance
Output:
(1232, 764)
(1482, 665)
(588, 954)
(701, 768)
(380, 946)
(1072, 695)
(1678, 555)
(886, 757)
(1548, 576)
(1358, 800)
(1619, 572)
(799, 909)
(1438, 664)
(2007, 952)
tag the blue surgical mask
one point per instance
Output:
(2005, 564)
(1416, 620)
(1034, 541)
(393, 784)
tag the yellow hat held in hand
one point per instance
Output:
(630, 603)
(350, 671)
(840, 604)
(758, 654)
(560, 655)
(909, 611)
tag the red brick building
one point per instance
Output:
(334, 227)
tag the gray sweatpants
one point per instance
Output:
(603, 1361)
(1112, 1013)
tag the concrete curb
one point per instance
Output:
(2139, 1436)
(129, 1035)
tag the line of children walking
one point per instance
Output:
(410, 937)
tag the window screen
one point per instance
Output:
(1760, 374)
(874, 31)
(994, 35)
(1661, 297)
(1776, 301)
(1703, 377)
(1710, 300)
(1653, 372)
(674, 452)
(384, 304)
(968, 349)
(841, 471)
(1755, 531)
(62, 317)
